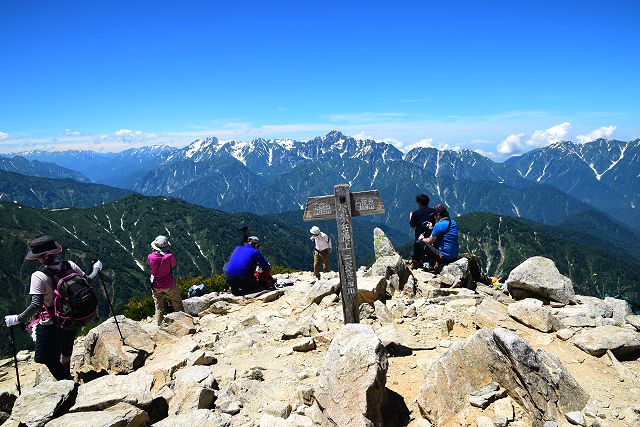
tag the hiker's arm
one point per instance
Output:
(411, 220)
(37, 300)
(262, 262)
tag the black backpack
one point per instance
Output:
(74, 302)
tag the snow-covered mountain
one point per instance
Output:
(22, 165)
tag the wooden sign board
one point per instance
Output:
(362, 203)
(342, 206)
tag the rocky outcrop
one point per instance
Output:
(535, 379)
(532, 313)
(119, 415)
(103, 347)
(457, 275)
(350, 389)
(388, 263)
(199, 418)
(371, 288)
(38, 405)
(193, 388)
(178, 324)
(622, 342)
(321, 289)
(539, 278)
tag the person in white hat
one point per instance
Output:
(322, 249)
(162, 263)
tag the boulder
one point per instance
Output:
(371, 288)
(382, 246)
(169, 359)
(270, 296)
(196, 418)
(532, 313)
(382, 312)
(178, 324)
(321, 289)
(195, 305)
(539, 278)
(388, 262)
(119, 415)
(622, 342)
(38, 405)
(621, 309)
(536, 380)
(460, 274)
(350, 389)
(304, 345)
(634, 320)
(109, 390)
(103, 347)
(194, 388)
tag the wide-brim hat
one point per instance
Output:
(315, 230)
(161, 243)
(42, 246)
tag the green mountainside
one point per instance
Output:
(55, 193)
(595, 265)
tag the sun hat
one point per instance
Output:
(314, 230)
(42, 246)
(161, 243)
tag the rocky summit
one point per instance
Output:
(444, 349)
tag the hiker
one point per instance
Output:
(162, 263)
(247, 268)
(322, 249)
(441, 247)
(421, 220)
(54, 344)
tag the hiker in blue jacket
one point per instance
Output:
(54, 345)
(247, 268)
(441, 247)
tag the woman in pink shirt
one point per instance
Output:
(162, 263)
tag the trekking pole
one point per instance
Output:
(111, 307)
(15, 358)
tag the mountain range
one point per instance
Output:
(272, 176)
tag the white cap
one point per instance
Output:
(314, 230)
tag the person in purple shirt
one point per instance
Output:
(240, 272)
(162, 263)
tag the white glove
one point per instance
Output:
(97, 266)
(11, 320)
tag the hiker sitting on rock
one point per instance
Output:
(322, 249)
(247, 269)
(54, 345)
(421, 220)
(441, 247)
(162, 263)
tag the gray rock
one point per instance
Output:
(194, 388)
(622, 342)
(295, 331)
(565, 334)
(103, 348)
(485, 395)
(277, 408)
(109, 390)
(382, 246)
(576, 418)
(539, 278)
(382, 312)
(197, 418)
(38, 405)
(578, 322)
(537, 380)
(532, 313)
(304, 345)
(270, 296)
(365, 310)
(621, 309)
(350, 389)
(195, 305)
(459, 271)
(119, 415)
(321, 289)
(178, 324)
(503, 409)
(371, 289)
(634, 320)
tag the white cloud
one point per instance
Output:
(603, 132)
(4, 135)
(484, 153)
(511, 144)
(130, 136)
(542, 138)
(423, 143)
(71, 132)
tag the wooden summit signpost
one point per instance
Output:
(343, 205)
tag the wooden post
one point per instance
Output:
(346, 255)
(342, 206)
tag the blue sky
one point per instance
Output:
(500, 77)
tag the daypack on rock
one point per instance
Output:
(74, 301)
